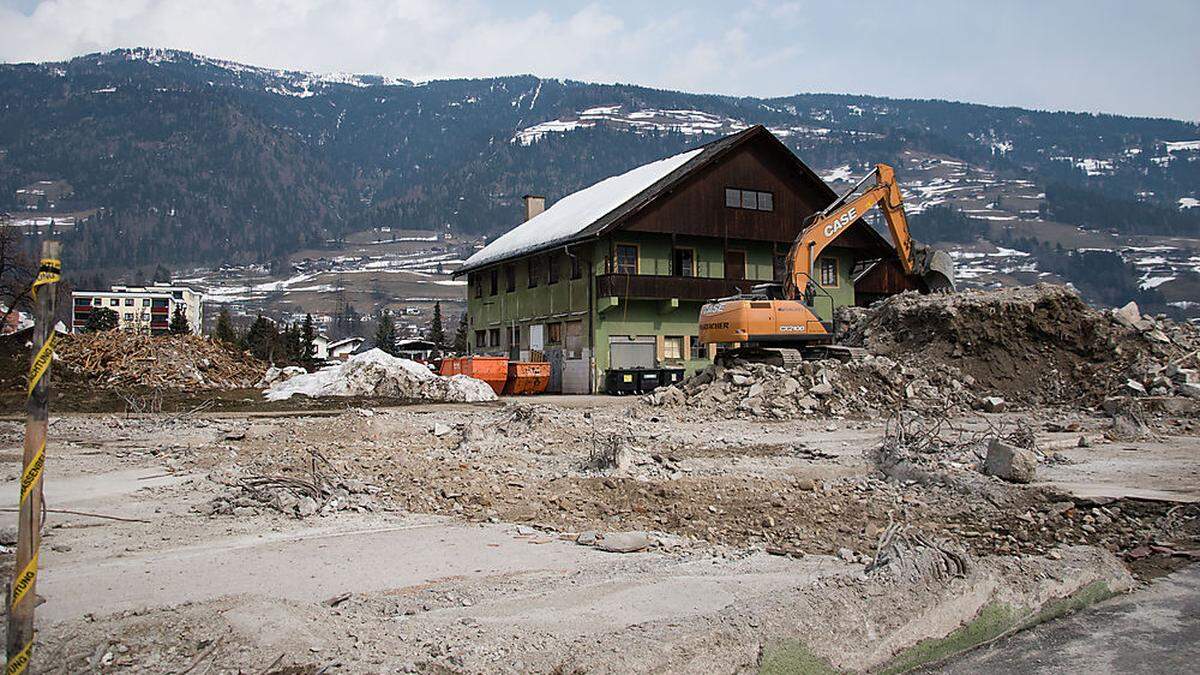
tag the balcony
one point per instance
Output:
(664, 287)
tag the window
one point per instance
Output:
(829, 272)
(510, 278)
(494, 337)
(508, 336)
(627, 259)
(97, 302)
(114, 302)
(576, 267)
(552, 263)
(495, 282)
(129, 302)
(751, 200)
(145, 302)
(480, 339)
(553, 333)
(673, 348)
(698, 351)
(683, 262)
(473, 279)
(735, 264)
(533, 270)
(129, 316)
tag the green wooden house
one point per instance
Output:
(613, 276)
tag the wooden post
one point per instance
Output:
(23, 596)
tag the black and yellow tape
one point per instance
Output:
(49, 272)
(32, 472)
(25, 580)
(41, 363)
(18, 663)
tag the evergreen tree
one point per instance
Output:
(460, 335)
(262, 339)
(437, 334)
(385, 332)
(100, 319)
(162, 275)
(307, 335)
(179, 322)
(225, 331)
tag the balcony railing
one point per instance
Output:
(654, 286)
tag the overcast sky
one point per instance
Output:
(1120, 56)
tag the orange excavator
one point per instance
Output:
(775, 323)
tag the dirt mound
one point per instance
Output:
(1033, 344)
(121, 359)
(828, 387)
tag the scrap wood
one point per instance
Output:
(120, 358)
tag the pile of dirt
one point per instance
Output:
(1033, 344)
(376, 373)
(124, 359)
(828, 387)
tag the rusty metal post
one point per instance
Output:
(23, 597)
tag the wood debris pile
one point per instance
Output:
(119, 359)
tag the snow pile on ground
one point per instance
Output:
(376, 373)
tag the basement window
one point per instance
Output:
(553, 333)
(480, 339)
(494, 337)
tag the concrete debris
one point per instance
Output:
(825, 387)
(994, 404)
(376, 373)
(1009, 462)
(623, 542)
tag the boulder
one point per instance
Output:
(994, 404)
(1009, 462)
(1128, 315)
(624, 542)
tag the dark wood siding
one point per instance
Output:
(697, 205)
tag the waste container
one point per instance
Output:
(648, 380)
(490, 369)
(670, 376)
(620, 381)
(525, 377)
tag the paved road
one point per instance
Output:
(1154, 630)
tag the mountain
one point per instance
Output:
(178, 158)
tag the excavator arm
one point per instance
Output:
(934, 267)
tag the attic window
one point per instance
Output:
(751, 200)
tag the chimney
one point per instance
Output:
(533, 205)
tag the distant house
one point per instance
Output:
(43, 194)
(320, 347)
(143, 309)
(342, 349)
(417, 350)
(613, 276)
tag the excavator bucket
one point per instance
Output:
(939, 272)
(935, 267)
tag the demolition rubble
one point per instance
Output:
(989, 459)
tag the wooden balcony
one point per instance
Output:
(664, 287)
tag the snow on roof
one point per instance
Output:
(573, 213)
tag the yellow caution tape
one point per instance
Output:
(20, 661)
(25, 580)
(50, 272)
(40, 363)
(32, 472)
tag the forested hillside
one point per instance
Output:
(190, 159)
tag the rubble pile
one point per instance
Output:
(123, 359)
(826, 387)
(376, 373)
(1033, 344)
(295, 497)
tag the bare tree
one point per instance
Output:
(17, 269)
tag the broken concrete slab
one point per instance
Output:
(624, 542)
(1009, 462)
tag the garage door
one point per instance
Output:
(626, 351)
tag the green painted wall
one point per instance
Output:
(568, 300)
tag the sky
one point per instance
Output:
(1116, 56)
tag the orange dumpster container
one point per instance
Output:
(490, 369)
(525, 377)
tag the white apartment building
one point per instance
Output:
(143, 309)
